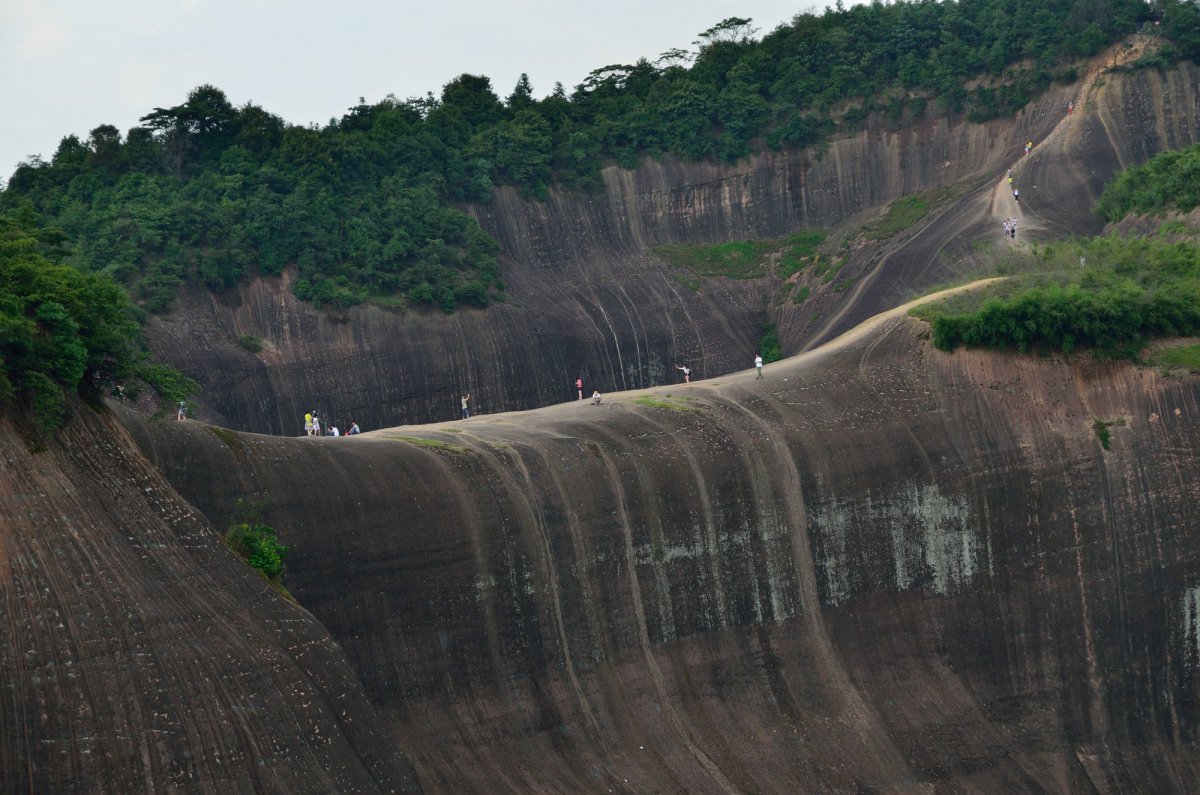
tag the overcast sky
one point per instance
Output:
(68, 66)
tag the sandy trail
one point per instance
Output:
(1003, 204)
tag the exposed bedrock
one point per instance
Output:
(586, 297)
(139, 655)
(880, 568)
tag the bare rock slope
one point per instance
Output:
(139, 655)
(879, 568)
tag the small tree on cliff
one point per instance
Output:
(257, 544)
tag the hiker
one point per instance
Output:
(316, 425)
(1016, 195)
(308, 423)
(333, 431)
(182, 411)
(596, 398)
(1070, 107)
(466, 412)
(354, 429)
(1013, 227)
(579, 386)
(687, 372)
(1007, 226)
(758, 362)
(1029, 147)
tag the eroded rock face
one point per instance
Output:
(586, 298)
(139, 655)
(880, 568)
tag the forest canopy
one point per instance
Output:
(368, 207)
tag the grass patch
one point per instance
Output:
(744, 259)
(801, 295)
(1176, 227)
(1101, 428)
(689, 282)
(435, 444)
(1178, 358)
(660, 403)
(908, 210)
(796, 251)
(741, 259)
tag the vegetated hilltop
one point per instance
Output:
(371, 207)
(882, 566)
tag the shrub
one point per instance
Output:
(1131, 289)
(259, 546)
(768, 344)
(251, 343)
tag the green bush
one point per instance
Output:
(259, 546)
(1131, 289)
(1169, 181)
(768, 344)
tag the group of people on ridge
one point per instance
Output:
(313, 427)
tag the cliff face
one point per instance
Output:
(585, 297)
(880, 568)
(139, 655)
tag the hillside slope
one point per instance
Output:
(879, 568)
(586, 297)
(139, 655)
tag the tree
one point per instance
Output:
(522, 96)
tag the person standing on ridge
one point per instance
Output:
(182, 411)
(758, 363)
(579, 386)
(316, 425)
(687, 372)
(466, 412)
(308, 423)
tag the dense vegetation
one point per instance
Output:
(1170, 181)
(64, 330)
(1108, 294)
(61, 329)
(364, 206)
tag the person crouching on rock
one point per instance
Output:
(596, 398)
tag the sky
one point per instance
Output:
(68, 66)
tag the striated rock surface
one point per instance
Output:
(139, 655)
(586, 297)
(882, 568)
